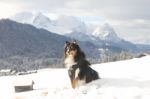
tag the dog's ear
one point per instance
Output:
(67, 42)
(75, 41)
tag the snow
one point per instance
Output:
(127, 79)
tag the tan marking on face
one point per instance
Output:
(73, 52)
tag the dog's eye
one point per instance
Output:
(69, 48)
(72, 48)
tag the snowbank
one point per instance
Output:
(128, 79)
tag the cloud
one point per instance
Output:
(111, 9)
(129, 17)
(7, 10)
(116, 9)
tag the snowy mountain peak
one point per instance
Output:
(68, 25)
(105, 32)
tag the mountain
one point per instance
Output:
(26, 40)
(101, 35)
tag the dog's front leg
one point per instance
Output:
(74, 83)
(73, 74)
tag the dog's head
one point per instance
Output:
(71, 48)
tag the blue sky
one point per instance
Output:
(130, 18)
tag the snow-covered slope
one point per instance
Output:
(119, 80)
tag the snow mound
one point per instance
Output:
(119, 80)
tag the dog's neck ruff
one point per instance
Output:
(69, 61)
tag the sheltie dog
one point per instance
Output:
(78, 67)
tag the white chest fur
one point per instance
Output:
(69, 61)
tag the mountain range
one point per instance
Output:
(68, 25)
(101, 35)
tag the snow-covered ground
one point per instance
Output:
(128, 79)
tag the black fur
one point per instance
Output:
(86, 72)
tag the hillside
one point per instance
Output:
(26, 40)
(118, 81)
(24, 46)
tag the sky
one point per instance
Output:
(129, 18)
